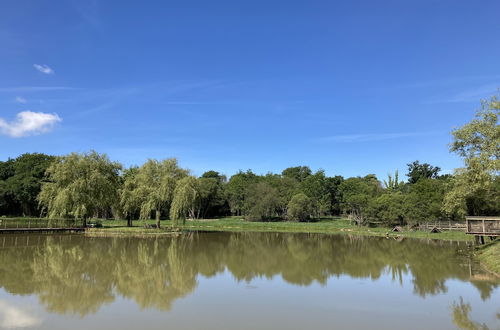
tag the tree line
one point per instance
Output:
(85, 185)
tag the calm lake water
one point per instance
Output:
(242, 281)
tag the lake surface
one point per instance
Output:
(242, 281)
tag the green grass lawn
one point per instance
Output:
(333, 225)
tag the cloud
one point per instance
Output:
(471, 95)
(13, 317)
(20, 99)
(371, 137)
(43, 68)
(29, 123)
(37, 89)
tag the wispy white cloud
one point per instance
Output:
(20, 99)
(371, 137)
(12, 317)
(43, 68)
(470, 95)
(29, 123)
(37, 89)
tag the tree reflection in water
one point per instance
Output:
(77, 275)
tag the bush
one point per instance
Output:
(261, 203)
(300, 208)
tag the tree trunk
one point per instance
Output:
(157, 219)
(129, 221)
(84, 221)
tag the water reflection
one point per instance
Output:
(461, 318)
(78, 275)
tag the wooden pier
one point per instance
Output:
(481, 226)
(19, 226)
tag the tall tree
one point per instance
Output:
(417, 171)
(300, 208)
(25, 183)
(152, 187)
(130, 206)
(237, 189)
(212, 198)
(478, 143)
(356, 195)
(186, 199)
(299, 173)
(262, 202)
(80, 185)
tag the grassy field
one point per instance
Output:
(330, 225)
(237, 224)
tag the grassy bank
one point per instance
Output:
(328, 225)
(489, 257)
(236, 224)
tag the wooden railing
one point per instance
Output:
(443, 225)
(484, 225)
(38, 223)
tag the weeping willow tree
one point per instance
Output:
(186, 197)
(80, 185)
(151, 188)
(478, 143)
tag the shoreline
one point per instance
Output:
(340, 226)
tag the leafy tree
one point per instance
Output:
(333, 188)
(261, 202)
(417, 171)
(286, 188)
(236, 190)
(387, 208)
(316, 187)
(186, 199)
(152, 187)
(7, 201)
(478, 143)
(356, 195)
(130, 206)
(80, 185)
(212, 195)
(299, 173)
(20, 181)
(424, 201)
(300, 208)
(25, 183)
(393, 182)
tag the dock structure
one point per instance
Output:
(481, 226)
(18, 226)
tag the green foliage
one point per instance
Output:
(424, 201)
(236, 190)
(356, 195)
(387, 208)
(20, 183)
(261, 202)
(300, 208)
(393, 183)
(417, 171)
(317, 188)
(186, 199)
(212, 195)
(478, 143)
(151, 188)
(80, 186)
(298, 173)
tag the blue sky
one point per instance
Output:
(353, 87)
